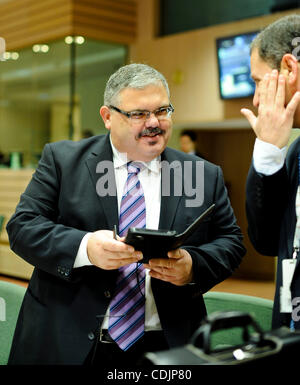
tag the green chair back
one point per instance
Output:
(11, 296)
(259, 308)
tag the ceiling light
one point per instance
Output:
(69, 40)
(76, 39)
(79, 39)
(14, 55)
(36, 48)
(45, 48)
(11, 55)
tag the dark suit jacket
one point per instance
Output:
(57, 321)
(271, 216)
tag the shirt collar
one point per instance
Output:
(120, 160)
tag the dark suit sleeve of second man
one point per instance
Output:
(266, 200)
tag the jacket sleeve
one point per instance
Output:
(216, 260)
(34, 231)
(266, 200)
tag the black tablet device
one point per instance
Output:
(157, 243)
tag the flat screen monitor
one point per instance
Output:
(233, 54)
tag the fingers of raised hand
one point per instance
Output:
(280, 95)
(263, 92)
(273, 88)
(249, 115)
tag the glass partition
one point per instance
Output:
(52, 92)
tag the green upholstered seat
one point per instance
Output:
(259, 308)
(11, 296)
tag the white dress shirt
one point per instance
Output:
(150, 179)
(267, 158)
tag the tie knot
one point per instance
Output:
(134, 167)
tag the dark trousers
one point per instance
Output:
(109, 354)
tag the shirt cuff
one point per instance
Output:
(82, 258)
(267, 158)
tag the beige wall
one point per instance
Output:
(23, 129)
(189, 62)
(60, 124)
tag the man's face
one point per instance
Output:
(139, 139)
(258, 70)
(186, 144)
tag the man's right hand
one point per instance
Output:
(108, 253)
(274, 121)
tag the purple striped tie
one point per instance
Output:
(127, 308)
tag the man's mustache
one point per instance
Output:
(151, 131)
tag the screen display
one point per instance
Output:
(234, 66)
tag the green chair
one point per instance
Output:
(259, 308)
(11, 296)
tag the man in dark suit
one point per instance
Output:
(63, 226)
(273, 180)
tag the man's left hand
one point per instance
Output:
(176, 269)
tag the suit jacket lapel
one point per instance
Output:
(100, 165)
(169, 202)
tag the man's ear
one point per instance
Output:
(106, 116)
(289, 66)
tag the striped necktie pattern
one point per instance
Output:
(127, 308)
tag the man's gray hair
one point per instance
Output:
(137, 76)
(276, 40)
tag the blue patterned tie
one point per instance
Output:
(127, 308)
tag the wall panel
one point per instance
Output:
(26, 22)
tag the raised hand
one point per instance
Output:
(274, 121)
